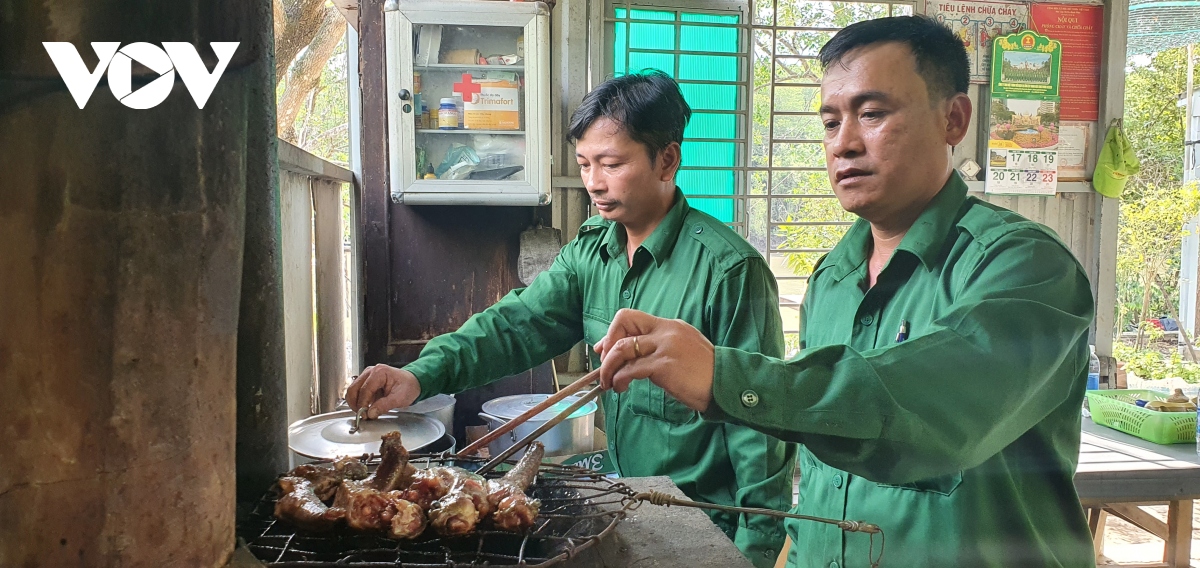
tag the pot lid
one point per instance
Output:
(509, 407)
(432, 404)
(328, 435)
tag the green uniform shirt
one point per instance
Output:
(692, 267)
(961, 441)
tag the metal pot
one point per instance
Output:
(571, 436)
(438, 407)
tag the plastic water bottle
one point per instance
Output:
(1093, 379)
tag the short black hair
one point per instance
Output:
(941, 56)
(648, 105)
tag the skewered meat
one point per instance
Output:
(301, 505)
(463, 506)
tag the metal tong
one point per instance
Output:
(525, 416)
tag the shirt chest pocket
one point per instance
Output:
(941, 485)
(642, 398)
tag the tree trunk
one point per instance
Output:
(304, 20)
(305, 75)
(1147, 285)
(1187, 341)
(279, 22)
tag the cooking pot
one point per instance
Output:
(571, 436)
(439, 407)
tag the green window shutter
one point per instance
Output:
(706, 64)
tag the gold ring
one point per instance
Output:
(637, 350)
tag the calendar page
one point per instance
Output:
(1022, 172)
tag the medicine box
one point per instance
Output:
(496, 107)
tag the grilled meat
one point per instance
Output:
(463, 506)
(325, 481)
(516, 512)
(372, 503)
(301, 506)
(400, 501)
(393, 471)
(429, 485)
(368, 509)
(408, 521)
(513, 509)
(350, 468)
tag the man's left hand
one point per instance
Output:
(672, 354)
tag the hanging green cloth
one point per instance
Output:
(1116, 163)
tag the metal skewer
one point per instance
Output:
(524, 416)
(541, 430)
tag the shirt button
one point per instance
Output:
(833, 565)
(699, 230)
(837, 481)
(626, 294)
(866, 319)
(750, 399)
(769, 553)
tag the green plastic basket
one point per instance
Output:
(1116, 409)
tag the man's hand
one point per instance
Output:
(672, 354)
(381, 388)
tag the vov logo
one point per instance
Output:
(118, 61)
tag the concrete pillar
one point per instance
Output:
(122, 235)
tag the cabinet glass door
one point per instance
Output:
(468, 103)
(470, 93)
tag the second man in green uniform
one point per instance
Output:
(649, 250)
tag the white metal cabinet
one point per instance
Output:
(431, 39)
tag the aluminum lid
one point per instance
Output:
(328, 435)
(432, 404)
(509, 407)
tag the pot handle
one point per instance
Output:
(512, 434)
(489, 418)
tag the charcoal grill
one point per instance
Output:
(578, 508)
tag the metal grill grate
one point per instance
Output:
(578, 508)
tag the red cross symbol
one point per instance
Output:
(468, 89)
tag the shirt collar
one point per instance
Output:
(923, 240)
(661, 242)
(927, 235)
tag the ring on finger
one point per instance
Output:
(637, 349)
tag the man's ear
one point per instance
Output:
(668, 161)
(958, 118)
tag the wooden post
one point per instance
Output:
(299, 341)
(331, 298)
(121, 249)
(1179, 537)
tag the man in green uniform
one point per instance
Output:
(944, 357)
(647, 250)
